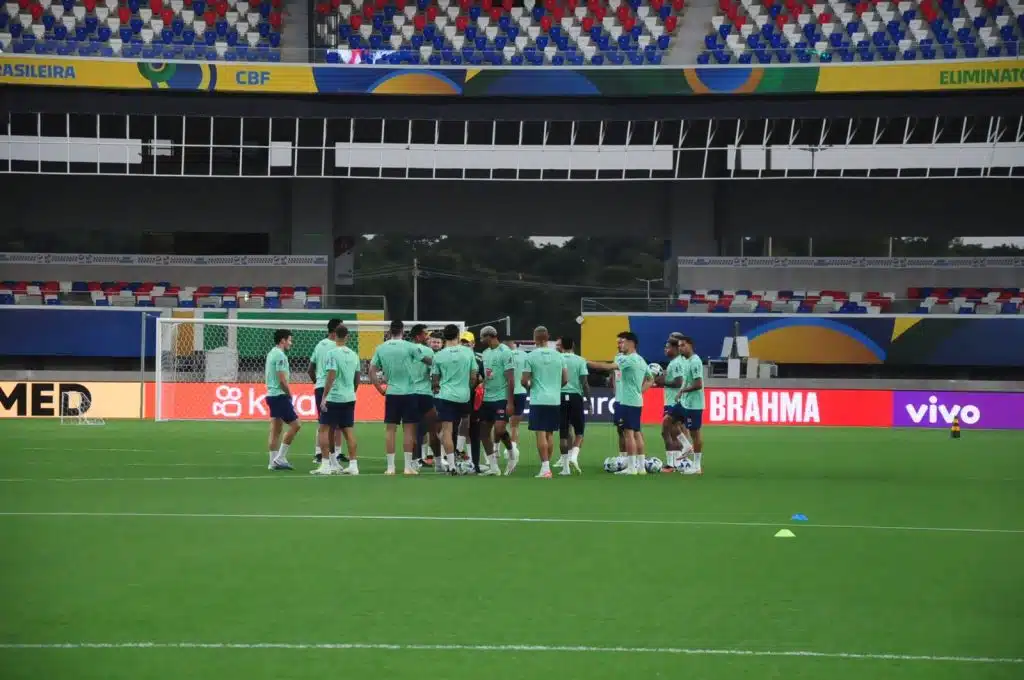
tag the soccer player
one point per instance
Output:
(498, 398)
(317, 373)
(518, 400)
(454, 373)
(672, 418)
(544, 376)
(279, 401)
(427, 429)
(633, 379)
(465, 427)
(692, 400)
(338, 405)
(573, 418)
(398, 359)
(682, 436)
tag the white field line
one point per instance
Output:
(506, 520)
(679, 651)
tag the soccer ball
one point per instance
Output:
(653, 465)
(465, 467)
(655, 369)
(614, 464)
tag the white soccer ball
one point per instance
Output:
(614, 464)
(465, 467)
(653, 465)
(655, 369)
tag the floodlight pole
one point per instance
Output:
(415, 288)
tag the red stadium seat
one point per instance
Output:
(419, 22)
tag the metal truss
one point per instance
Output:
(199, 146)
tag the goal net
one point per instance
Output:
(213, 369)
(74, 409)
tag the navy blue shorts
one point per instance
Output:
(627, 417)
(545, 418)
(572, 415)
(693, 419)
(401, 408)
(519, 401)
(425, 403)
(494, 411)
(449, 411)
(319, 396)
(339, 414)
(675, 412)
(281, 408)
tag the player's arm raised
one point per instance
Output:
(602, 366)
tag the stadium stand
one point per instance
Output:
(158, 294)
(785, 31)
(231, 30)
(919, 300)
(476, 32)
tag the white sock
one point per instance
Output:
(515, 449)
(451, 461)
(545, 466)
(622, 454)
(282, 453)
(353, 465)
(671, 457)
(460, 444)
(425, 451)
(391, 461)
(493, 459)
(273, 455)
(686, 446)
(641, 462)
(696, 459)
(408, 460)
(632, 463)
(318, 449)
(574, 454)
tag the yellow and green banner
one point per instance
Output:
(649, 81)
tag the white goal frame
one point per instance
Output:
(357, 325)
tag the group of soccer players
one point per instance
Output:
(442, 394)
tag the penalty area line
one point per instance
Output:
(502, 520)
(679, 651)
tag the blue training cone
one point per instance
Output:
(799, 517)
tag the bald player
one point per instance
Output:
(544, 376)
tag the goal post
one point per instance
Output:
(213, 369)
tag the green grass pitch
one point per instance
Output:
(132, 533)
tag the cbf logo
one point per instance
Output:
(252, 78)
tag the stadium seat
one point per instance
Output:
(133, 29)
(862, 31)
(525, 32)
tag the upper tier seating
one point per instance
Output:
(921, 301)
(802, 31)
(231, 30)
(162, 294)
(476, 32)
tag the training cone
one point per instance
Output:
(785, 533)
(798, 517)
